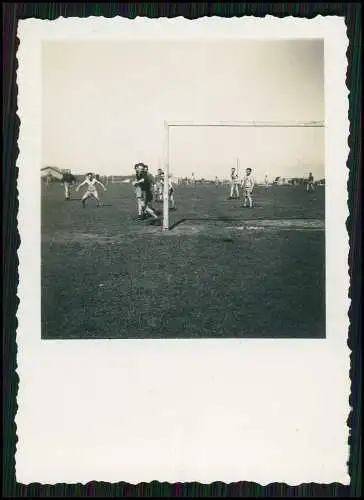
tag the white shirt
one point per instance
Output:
(234, 177)
(248, 181)
(91, 184)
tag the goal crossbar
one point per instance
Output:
(259, 124)
(246, 124)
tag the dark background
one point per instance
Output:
(11, 14)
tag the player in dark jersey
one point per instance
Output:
(143, 189)
(67, 179)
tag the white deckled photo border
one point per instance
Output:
(183, 410)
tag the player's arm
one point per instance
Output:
(80, 185)
(101, 184)
(136, 183)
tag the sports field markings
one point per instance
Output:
(189, 227)
(248, 224)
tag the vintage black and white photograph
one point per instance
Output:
(183, 258)
(183, 189)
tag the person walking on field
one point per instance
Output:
(310, 186)
(234, 184)
(248, 184)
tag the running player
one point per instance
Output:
(91, 182)
(247, 184)
(234, 184)
(150, 178)
(143, 190)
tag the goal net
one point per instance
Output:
(205, 152)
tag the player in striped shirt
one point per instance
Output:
(247, 185)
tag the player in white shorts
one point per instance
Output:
(172, 202)
(139, 179)
(91, 182)
(247, 185)
(159, 187)
(234, 184)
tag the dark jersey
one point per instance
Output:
(68, 178)
(139, 176)
(147, 183)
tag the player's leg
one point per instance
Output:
(139, 200)
(139, 206)
(84, 198)
(246, 201)
(66, 191)
(250, 198)
(171, 201)
(147, 208)
(95, 194)
(150, 211)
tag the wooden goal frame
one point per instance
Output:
(170, 124)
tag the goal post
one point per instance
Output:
(251, 124)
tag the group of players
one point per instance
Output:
(247, 184)
(147, 189)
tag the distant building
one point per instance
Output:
(52, 173)
(280, 181)
(295, 181)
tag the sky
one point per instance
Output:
(105, 104)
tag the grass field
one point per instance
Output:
(222, 271)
